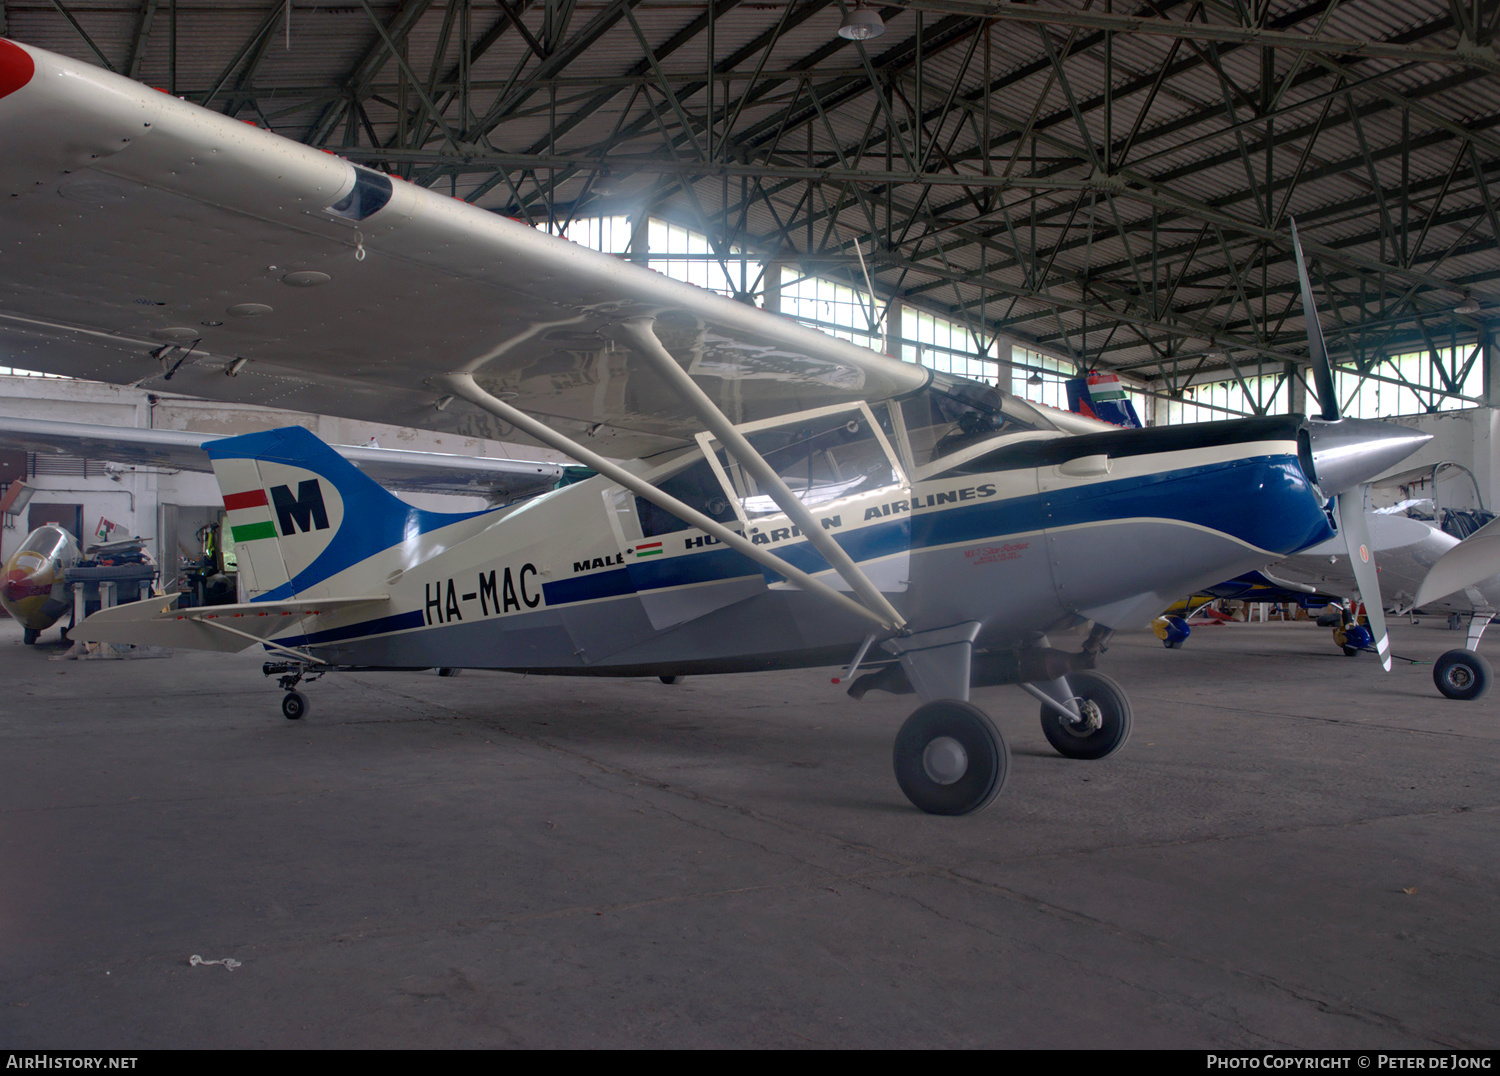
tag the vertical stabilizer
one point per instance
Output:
(299, 513)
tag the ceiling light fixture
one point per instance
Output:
(1034, 379)
(1470, 305)
(861, 24)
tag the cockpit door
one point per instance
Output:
(840, 462)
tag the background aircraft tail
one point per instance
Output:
(299, 513)
(1100, 396)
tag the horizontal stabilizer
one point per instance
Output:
(226, 628)
(1473, 560)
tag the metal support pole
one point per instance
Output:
(464, 387)
(642, 335)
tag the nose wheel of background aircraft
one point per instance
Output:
(950, 758)
(1462, 674)
(293, 705)
(1105, 722)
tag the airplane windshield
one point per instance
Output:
(953, 412)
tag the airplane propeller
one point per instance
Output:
(1350, 501)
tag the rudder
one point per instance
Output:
(299, 513)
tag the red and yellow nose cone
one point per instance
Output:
(16, 67)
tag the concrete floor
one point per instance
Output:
(1292, 851)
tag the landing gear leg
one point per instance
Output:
(294, 704)
(949, 757)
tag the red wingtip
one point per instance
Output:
(16, 67)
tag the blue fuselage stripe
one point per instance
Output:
(1264, 501)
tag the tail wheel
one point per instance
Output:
(1103, 726)
(294, 706)
(950, 759)
(1462, 674)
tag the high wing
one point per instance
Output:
(145, 240)
(396, 469)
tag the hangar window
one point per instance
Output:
(836, 309)
(1413, 383)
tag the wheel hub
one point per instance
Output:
(945, 760)
(1460, 677)
(1089, 721)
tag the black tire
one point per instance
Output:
(29, 636)
(1351, 651)
(448, 670)
(294, 706)
(1172, 644)
(1462, 674)
(670, 679)
(950, 759)
(1115, 719)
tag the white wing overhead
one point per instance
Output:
(143, 238)
(396, 469)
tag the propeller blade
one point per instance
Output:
(1356, 531)
(1328, 398)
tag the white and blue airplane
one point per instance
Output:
(786, 499)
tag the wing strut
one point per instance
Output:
(464, 387)
(642, 336)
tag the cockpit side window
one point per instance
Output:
(696, 486)
(953, 412)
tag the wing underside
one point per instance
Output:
(144, 238)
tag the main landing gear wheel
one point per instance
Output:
(29, 636)
(294, 705)
(950, 759)
(1104, 726)
(1462, 674)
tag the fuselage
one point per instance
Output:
(1027, 533)
(1406, 550)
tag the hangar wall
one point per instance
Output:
(166, 505)
(1468, 437)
